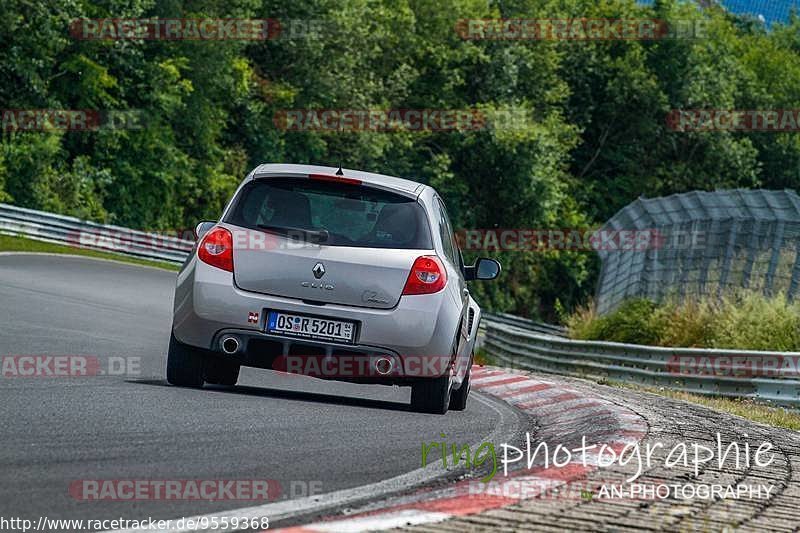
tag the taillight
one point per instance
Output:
(427, 276)
(216, 249)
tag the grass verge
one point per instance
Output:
(745, 407)
(740, 319)
(20, 244)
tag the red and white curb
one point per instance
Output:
(563, 414)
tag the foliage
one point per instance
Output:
(690, 323)
(593, 135)
(742, 320)
(753, 322)
(633, 322)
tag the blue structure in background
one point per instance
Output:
(771, 10)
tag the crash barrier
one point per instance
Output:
(524, 323)
(766, 376)
(50, 227)
(510, 340)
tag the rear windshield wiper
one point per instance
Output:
(316, 236)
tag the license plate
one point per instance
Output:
(310, 327)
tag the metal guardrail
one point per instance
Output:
(773, 377)
(72, 231)
(511, 340)
(524, 323)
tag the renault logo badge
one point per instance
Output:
(318, 270)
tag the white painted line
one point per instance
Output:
(507, 490)
(381, 522)
(535, 395)
(483, 382)
(508, 424)
(559, 408)
(505, 387)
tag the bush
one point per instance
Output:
(632, 322)
(742, 320)
(752, 322)
(582, 322)
(688, 324)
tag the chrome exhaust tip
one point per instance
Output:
(230, 344)
(383, 366)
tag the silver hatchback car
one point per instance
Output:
(332, 273)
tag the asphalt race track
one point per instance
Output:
(132, 425)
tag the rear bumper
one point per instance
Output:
(356, 363)
(418, 332)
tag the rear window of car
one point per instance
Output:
(352, 215)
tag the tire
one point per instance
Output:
(458, 398)
(221, 372)
(431, 395)
(184, 364)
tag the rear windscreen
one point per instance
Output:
(352, 215)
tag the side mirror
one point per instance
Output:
(202, 228)
(484, 269)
